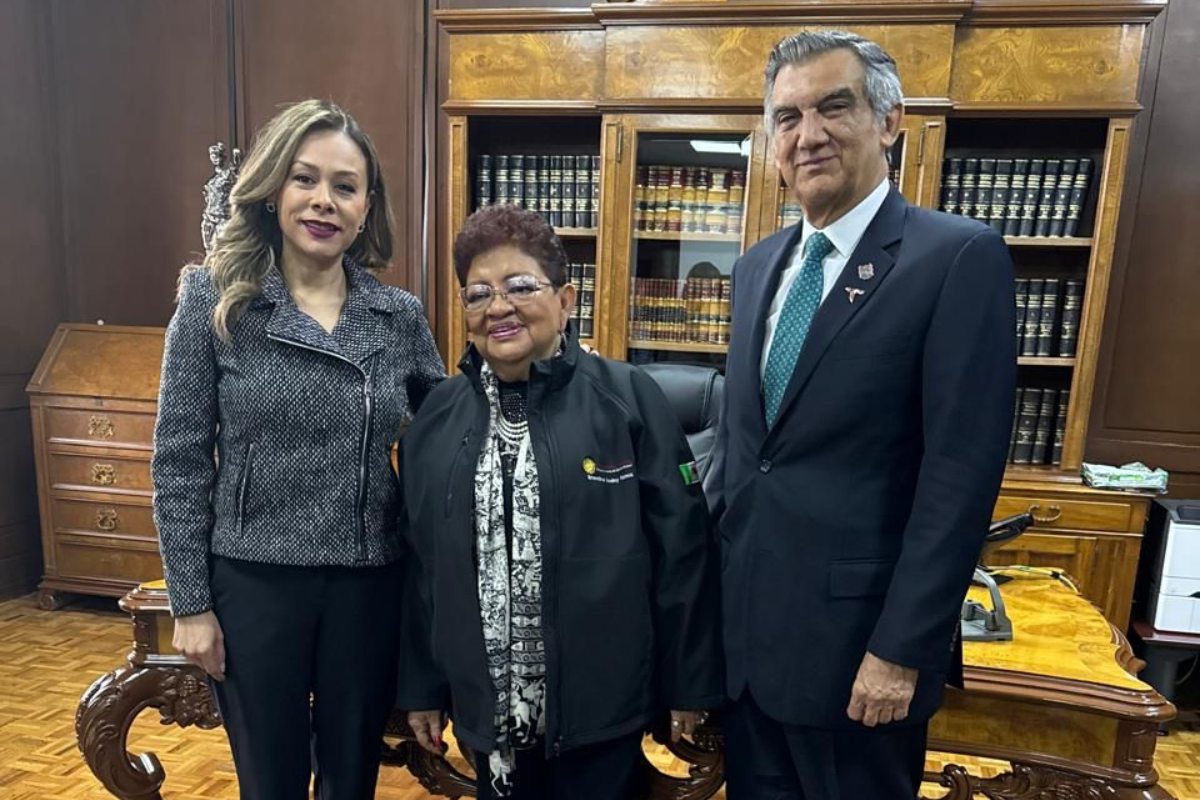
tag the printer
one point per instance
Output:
(1174, 591)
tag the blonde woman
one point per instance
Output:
(287, 371)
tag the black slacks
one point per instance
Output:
(606, 771)
(310, 669)
(768, 760)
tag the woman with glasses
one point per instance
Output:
(567, 563)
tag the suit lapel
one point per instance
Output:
(764, 291)
(837, 309)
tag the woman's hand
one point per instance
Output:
(198, 637)
(428, 726)
(686, 722)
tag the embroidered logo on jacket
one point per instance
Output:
(607, 473)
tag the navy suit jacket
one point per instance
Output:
(853, 523)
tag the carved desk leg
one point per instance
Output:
(435, 773)
(705, 757)
(1029, 782)
(108, 709)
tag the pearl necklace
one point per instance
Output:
(511, 433)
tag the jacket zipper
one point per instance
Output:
(247, 462)
(555, 709)
(360, 528)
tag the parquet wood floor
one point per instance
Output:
(47, 660)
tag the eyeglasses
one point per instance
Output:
(520, 290)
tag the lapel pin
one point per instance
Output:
(866, 271)
(852, 292)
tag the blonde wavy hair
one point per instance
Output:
(249, 245)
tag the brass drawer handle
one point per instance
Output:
(104, 474)
(100, 427)
(107, 519)
(1045, 519)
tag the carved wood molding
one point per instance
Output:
(1063, 12)
(1027, 782)
(1131, 704)
(107, 710)
(507, 20)
(802, 12)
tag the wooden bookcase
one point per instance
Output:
(637, 81)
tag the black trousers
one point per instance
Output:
(768, 760)
(606, 771)
(310, 669)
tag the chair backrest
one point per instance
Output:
(694, 393)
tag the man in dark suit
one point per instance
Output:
(867, 409)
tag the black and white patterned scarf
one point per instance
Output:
(510, 585)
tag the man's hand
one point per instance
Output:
(428, 726)
(199, 638)
(881, 693)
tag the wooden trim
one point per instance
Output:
(1106, 110)
(38, 421)
(802, 11)
(508, 20)
(1091, 325)
(676, 347)
(615, 246)
(520, 107)
(456, 213)
(1042, 13)
(1132, 704)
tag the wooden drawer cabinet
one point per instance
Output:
(92, 404)
(1093, 536)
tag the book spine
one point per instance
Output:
(1000, 194)
(1016, 197)
(1022, 292)
(1031, 403)
(1033, 190)
(1045, 210)
(968, 192)
(951, 184)
(594, 197)
(567, 192)
(1012, 437)
(501, 179)
(586, 327)
(1060, 427)
(543, 180)
(556, 204)
(1072, 310)
(516, 180)
(984, 189)
(532, 187)
(1033, 318)
(1048, 324)
(1079, 193)
(1043, 428)
(483, 182)
(583, 191)
(1062, 196)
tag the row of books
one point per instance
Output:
(1047, 318)
(1018, 196)
(689, 199)
(583, 276)
(565, 190)
(790, 212)
(693, 310)
(1039, 426)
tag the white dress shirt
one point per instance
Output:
(844, 234)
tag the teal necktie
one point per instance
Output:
(794, 321)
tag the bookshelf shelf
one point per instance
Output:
(677, 347)
(1044, 361)
(1048, 241)
(675, 236)
(576, 233)
(1040, 472)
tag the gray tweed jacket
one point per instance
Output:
(276, 446)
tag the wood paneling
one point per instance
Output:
(1148, 391)
(367, 57)
(550, 65)
(1068, 66)
(34, 292)
(727, 62)
(142, 92)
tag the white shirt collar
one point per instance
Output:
(848, 229)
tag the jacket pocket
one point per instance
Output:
(861, 578)
(452, 475)
(243, 484)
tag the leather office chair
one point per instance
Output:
(694, 393)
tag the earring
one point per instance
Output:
(362, 227)
(270, 208)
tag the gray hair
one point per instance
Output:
(881, 83)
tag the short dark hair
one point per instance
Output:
(499, 225)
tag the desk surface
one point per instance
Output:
(1056, 633)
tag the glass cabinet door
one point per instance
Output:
(684, 224)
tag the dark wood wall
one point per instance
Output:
(1148, 383)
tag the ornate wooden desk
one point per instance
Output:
(1059, 703)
